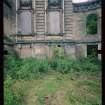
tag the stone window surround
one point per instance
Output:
(97, 22)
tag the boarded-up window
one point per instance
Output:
(25, 22)
(54, 22)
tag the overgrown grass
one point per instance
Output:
(32, 69)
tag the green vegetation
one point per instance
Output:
(91, 25)
(60, 80)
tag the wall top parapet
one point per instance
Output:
(86, 6)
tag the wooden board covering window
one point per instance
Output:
(54, 22)
(25, 22)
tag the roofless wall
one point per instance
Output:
(41, 24)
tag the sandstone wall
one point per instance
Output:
(79, 22)
(9, 18)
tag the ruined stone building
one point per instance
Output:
(37, 26)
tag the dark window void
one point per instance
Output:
(54, 3)
(25, 3)
(91, 24)
(5, 52)
(92, 50)
(59, 45)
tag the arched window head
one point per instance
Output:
(91, 24)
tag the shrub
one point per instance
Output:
(53, 63)
(63, 65)
(90, 64)
(28, 69)
(44, 66)
(31, 68)
(11, 66)
(58, 52)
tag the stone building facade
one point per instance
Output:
(41, 25)
(9, 17)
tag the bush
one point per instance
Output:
(54, 63)
(90, 64)
(63, 65)
(66, 65)
(11, 65)
(31, 68)
(58, 52)
(27, 69)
